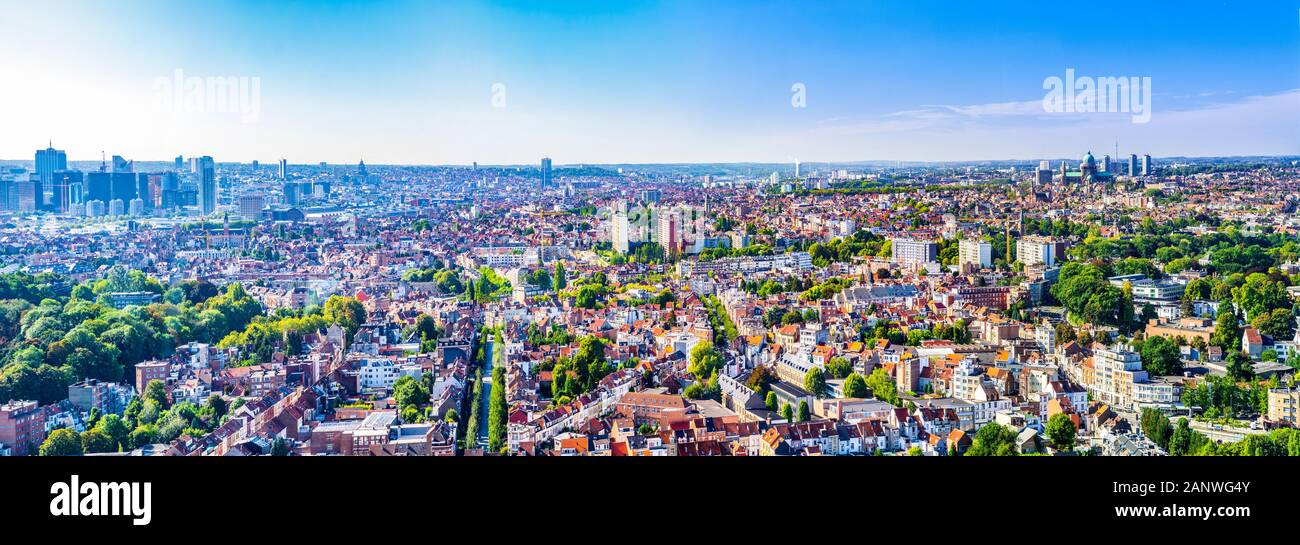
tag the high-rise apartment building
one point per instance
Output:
(669, 232)
(1037, 250)
(619, 230)
(910, 251)
(974, 252)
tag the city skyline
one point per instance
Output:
(649, 82)
(250, 249)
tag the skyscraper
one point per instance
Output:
(208, 185)
(618, 232)
(650, 196)
(28, 194)
(147, 186)
(99, 186)
(48, 161)
(1146, 165)
(284, 169)
(1133, 164)
(546, 172)
(65, 189)
(120, 164)
(169, 195)
(669, 232)
(292, 194)
(250, 206)
(124, 186)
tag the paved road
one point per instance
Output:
(1225, 434)
(486, 395)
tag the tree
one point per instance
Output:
(279, 447)
(218, 405)
(497, 410)
(1180, 441)
(408, 392)
(993, 439)
(560, 280)
(855, 386)
(156, 392)
(761, 379)
(1082, 288)
(115, 428)
(143, 435)
(804, 413)
(588, 296)
(1278, 323)
(94, 440)
(839, 367)
(1227, 332)
(1259, 295)
(1160, 356)
(1060, 431)
(1239, 366)
(1155, 425)
(61, 442)
(771, 401)
(786, 412)
(346, 312)
(883, 387)
(705, 359)
(815, 382)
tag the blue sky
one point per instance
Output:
(641, 81)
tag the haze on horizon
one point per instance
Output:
(646, 82)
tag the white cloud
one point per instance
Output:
(1254, 125)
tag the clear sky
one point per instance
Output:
(645, 81)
